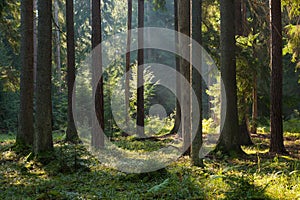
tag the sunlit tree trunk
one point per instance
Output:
(43, 134)
(197, 80)
(276, 145)
(25, 132)
(71, 134)
(140, 70)
(97, 137)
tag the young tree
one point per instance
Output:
(140, 71)
(97, 137)
(229, 138)
(185, 69)
(276, 145)
(197, 80)
(43, 134)
(71, 134)
(129, 24)
(26, 130)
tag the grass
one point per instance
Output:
(75, 174)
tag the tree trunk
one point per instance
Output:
(238, 18)
(43, 135)
(26, 130)
(245, 138)
(177, 62)
(140, 70)
(254, 105)
(57, 43)
(197, 80)
(185, 69)
(276, 145)
(97, 135)
(127, 75)
(228, 141)
(71, 134)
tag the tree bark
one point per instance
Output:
(254, 105)
(127, 71)
(140, 70)
(26, 130)
(177, 63)
(97, 137)
(185, 69)
(43, 135)
(197, 80)
(276, 145)
(57, 43)
(71, 133)
(228, 141)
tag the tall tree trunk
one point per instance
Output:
(35, 33)
(57, 43)
(127, 75)
(140, 71)
(228, 141)
(185, 69)
(43, 135)
(177, 63)
(238, 18)
(276, 145)
(197, 80)
(97, 137)
(25, 133)
(71, 134)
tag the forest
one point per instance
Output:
(149, 99)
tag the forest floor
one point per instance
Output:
(75, 174)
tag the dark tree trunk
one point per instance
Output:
(140, 70)
(97, 136)
(127, 79)
(197, 80)
(185, 69)
(71, 133)
(26, 130)
(177, 62)
(228, 141)
(43, 135)
(276, 145)
(245, 138)
(238, 17)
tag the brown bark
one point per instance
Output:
(57, 43)
(197, 80)
(127, 78)
(254, 106)
(276, 145)
(140, 70)
(43, 135)
(25, 133)
(97, 137)
(177, 62)
(71, 133)
(228, 141)
(185, 69)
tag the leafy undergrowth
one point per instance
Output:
(72, 173)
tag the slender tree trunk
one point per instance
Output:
(140, 71)
(238, 17)
(276, 145)
(71, 134)
(127, 75)
(35, 33)
(57, 43)
(97, 137)
(26, 130)
(177, 62)
(197, 80)
(43, 135)
(185, 69)
(254, 105)
(228, 141)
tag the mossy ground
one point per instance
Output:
(73, 173)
